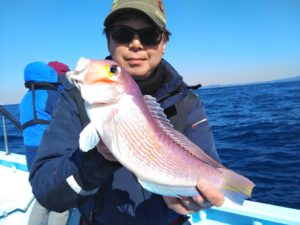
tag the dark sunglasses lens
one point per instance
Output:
(150, 36)
(122, 34)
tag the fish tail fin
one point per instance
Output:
(236, 187)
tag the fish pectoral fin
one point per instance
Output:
(88, 138)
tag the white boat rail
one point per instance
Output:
(16, 198)
(8, 115)
(252, 213)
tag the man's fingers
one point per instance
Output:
(210, 193)
(209, 196)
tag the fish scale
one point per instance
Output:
(156, 158)
(149, 151)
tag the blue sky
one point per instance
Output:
(212, 42)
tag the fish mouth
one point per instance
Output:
(107, 80)
(103, 80)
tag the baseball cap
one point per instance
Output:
(59, 67)
(152, 8)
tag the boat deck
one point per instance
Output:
(15, 190)
(16, 200)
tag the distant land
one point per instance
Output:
(296, 78)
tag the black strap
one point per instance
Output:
(35, 120)
(33, 100)
(75, 94)
(183, 109)
(194, 87)
(41, 85)
(171, 110)
(84, 119)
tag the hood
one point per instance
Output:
(40, 72)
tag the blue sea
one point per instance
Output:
(257, 133)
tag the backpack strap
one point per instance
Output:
(86, 217)
(35, 120)
(171, 111)
(41, 85)
(194, 87)
(76, 96)
(183, 109)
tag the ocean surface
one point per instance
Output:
(257, 133)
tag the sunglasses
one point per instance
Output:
(124, 34)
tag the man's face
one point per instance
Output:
(138, 59)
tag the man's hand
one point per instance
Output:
(208, 197)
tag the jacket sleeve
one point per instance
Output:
(197, 127)
(62, 176)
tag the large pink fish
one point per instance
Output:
(138, 134)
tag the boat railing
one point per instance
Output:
(7, 115)
(74, 218)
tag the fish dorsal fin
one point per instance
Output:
(157, 112)
(180, 139)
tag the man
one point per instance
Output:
(105, 192)
(37, 105)
(44, 87)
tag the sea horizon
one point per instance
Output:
(288, 79)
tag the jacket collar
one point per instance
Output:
(172, 84)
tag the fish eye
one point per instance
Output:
(113, 69)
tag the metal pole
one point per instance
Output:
(5, 136)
